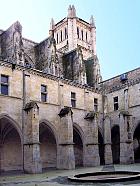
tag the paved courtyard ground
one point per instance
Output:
(59, 177)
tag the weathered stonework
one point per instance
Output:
(83, 120)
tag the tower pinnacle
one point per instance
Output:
(71, 11)
(92, 21)
(52, 24)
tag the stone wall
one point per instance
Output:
(58, 96)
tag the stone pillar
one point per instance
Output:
(130, 145)
(123, 138)
(66, 159)
(107, 141)
(91, 151)
(60, 95)
(126, 99)
(126, 143)
(31, 148)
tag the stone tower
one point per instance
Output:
(72, 32)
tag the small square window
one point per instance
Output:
(73, 99)
(43, 97)
(73, 95)
(4, 79)
(43, 88)
(116, 105)
(43, 93)
(95, 104)
(4, 85)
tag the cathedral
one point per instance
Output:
(55, 109)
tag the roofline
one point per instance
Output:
(119, 75)
(61, 21)
(31, 41)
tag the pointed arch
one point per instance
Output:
(14, 124)
(48, 144)
(80, 131)
(51, 127)
(136, 143)
(78, 139)
(115, 138)
(10, 144)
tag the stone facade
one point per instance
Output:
(55, 109)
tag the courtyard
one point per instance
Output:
(54, 177)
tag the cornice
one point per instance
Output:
(48, 76)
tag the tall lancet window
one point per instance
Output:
(82, 35)
(77, 32)
(66, 33)
(86, 37)
(61, 36)
(57, 38)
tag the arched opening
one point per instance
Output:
(115, 138)
(48, 146)
(136, 142)
(10, 147)
(78, 148)
(101, 148)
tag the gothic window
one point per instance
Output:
(95, 104)
(4, 84)
(116, 105)
(57, 38)
(82, 35)
(73, 99)
(61, 36)
(86, 36)
(65, 33)
(43, 93)
(78, 32)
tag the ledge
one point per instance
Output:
(64, 144)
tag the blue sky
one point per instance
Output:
(117, 22)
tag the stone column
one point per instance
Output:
(107, 141)
(123, 138)
(126, 143)
(66, 159)
(91, 151)
(126, 99)
(130, 147)
(31, 146)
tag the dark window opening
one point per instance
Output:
(57, 38)
(61, 36)
(95, 104)
(73, 99)
(43, 93)
(66, 33)
(82, 35)
(78, 32)
(4, 84)
(116, 105)
(86, 36)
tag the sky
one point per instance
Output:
(117, 26)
